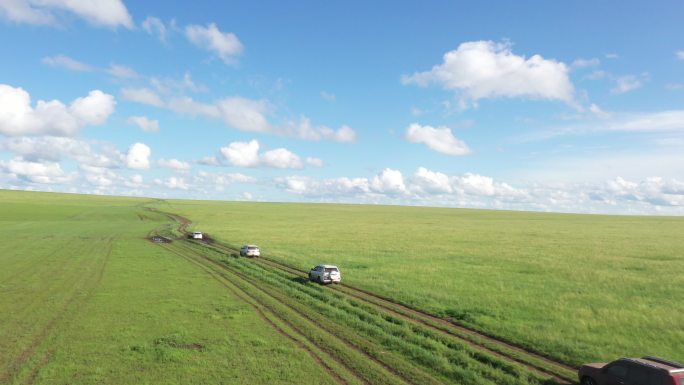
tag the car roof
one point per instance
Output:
(659, 363)
(327, 266)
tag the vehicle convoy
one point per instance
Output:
(325, 274)
(647, 370)
(250, 251)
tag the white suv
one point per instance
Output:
(250, 251)
(325, 273)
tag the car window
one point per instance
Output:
(330, 269)
(637, 375)
(618, 370)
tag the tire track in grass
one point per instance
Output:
(374, 318)
(560, 373)
(535, 362)
(70, 307)
(91, 291)
(442, 326)
(360, 347)
(259, 306)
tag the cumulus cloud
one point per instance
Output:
(142, 95)
(225, 45)
(37, 172)
(19, 117)
(426, 181)
(440, 139)
(486, 69)
(68, 63)
(103, 13)
(173, 182)
(174, 164)
(138, 156)
(145, 124)
(389, 182)
(242, 154)
(53, 149)
(246, 154)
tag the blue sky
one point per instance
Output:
(568, 107)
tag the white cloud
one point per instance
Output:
(584, 63)
(121, 71)
(428, 181)
(246, 154)
(485, 69)
(281, 158)
(156, 27)
(251, 116)
(244, 114)
(627, 83)
(18, 117)
(328, 96)
(173, 182)
(174, 164)
(242, 154)
(138, 156)
(221, 179)
(37, 172)
(209, 161)
(225, 45)
(50, 148)
(135, 181)
(389, 181)
(303, 129)
(68, 63)
(145, 124)
(315, 162)
(168, 85)
(680, 55)
(439, 139)
(142, 95)
(105, 13)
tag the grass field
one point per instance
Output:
(85, 299)
(575, 287)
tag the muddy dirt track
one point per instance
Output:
(272, 303)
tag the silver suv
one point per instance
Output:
(325, 274)
(250, 251)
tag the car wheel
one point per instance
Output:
(586, 380)
(320, 280)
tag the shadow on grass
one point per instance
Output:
(301, 280)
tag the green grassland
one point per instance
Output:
(575, 287)
(85, 299)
